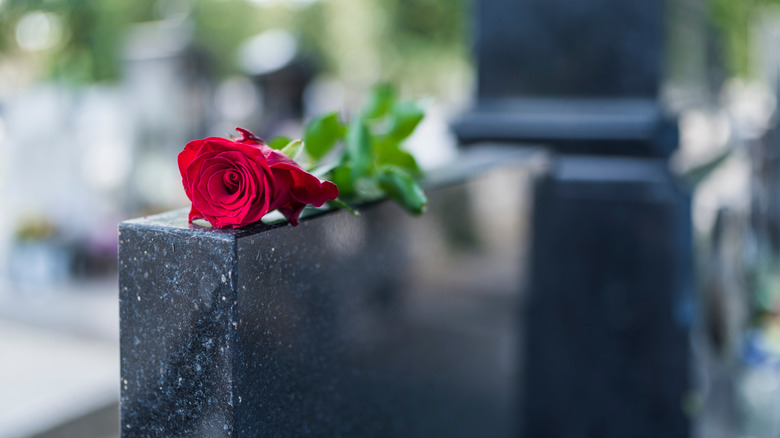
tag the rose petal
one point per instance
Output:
(248, 137)
(275, 157)
(296, 188)
(231, 180)
(202, 198)
(216, 186)
(194, 214)
(232, 183)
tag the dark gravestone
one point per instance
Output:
(607, 348)
(580, 76)
(607, 319)
(569, 48)
(383, 326)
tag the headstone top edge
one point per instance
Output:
(535, 103)
(583, 168)
(479, 159)
(176, 221)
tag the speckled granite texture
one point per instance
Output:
(382, 325)
(177, 292)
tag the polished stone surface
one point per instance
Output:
(614, 127)
(380, 325)
(581, 76)
(569, 48)
(610, 305)
(176, 331)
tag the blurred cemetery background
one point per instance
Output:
(98, 97)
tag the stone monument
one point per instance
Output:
(607, 318)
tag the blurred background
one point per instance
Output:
(98, 97)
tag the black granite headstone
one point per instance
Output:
(606, 353)
(608, 314)
(582, 76)
(569, 48)
(384, 325)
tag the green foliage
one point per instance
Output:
(735, 22)
(359, 151)
(342, 177)
(420, 44)
(415, 42)
(279, 142)
(405, 118)
(381, 101)
(732, 19)
(92, 34)
(391, 154)
(371, 161)
(403, 189)
(322, 133)
(222, 25)
(293, 149)
(91, 45)
(341, 204)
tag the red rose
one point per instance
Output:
(234, 183)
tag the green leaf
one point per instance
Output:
(321, 134)
(341, 204)
(342, 177)
(390, 153)
(322, 170)
(405, 118)
(293, 149)
(403, 189)
(279, 142)
(358, 141)
(381, 101)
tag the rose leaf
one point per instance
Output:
(390, 153)
(343, 205)
(403, 189)
(405, 118)
(358, 142)
(293, 149)
(279, 142)
(321, 134)
(342, 177)
(381, 101)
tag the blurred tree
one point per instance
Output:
(405, 41)
(90, 32)
(736, 21)
(733, 20)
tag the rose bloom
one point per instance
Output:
(233, 183)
